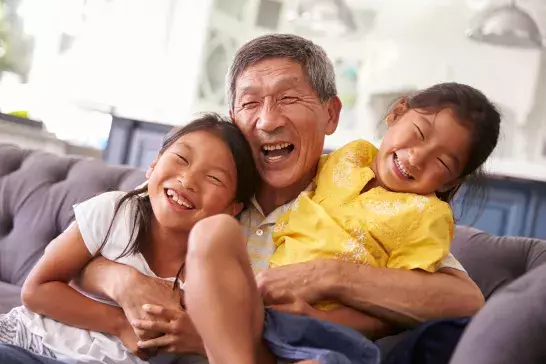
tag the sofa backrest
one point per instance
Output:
(37, 192)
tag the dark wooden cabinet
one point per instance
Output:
(537, 224)
(511, 207)
(134, 142)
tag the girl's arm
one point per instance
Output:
(46, 290)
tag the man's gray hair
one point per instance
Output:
(311, 57)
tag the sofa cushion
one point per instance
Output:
(37, 192)
(495, 261)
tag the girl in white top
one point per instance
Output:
(204, 168)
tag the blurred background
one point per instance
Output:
(77, 66)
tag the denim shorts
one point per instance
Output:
(294, 337)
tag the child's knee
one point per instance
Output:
(214, 234)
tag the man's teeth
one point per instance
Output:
(275, 146)
(178, 199)
(401, 167)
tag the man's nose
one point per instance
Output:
(270, 119)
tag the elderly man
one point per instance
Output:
(282, 95)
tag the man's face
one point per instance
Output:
(283, 120)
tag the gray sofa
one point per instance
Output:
(37, 191)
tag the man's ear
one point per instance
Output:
(334, 108)
(398, 110)
(151, 168)
(231, 116)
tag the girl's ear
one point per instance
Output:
(448, 186)
(151, 168)
(236, 208)
(398, 110)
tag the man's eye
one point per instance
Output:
(249, 105)
(289, 99)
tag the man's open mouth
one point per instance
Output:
(277, 151)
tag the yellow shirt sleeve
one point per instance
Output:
(340, 173)
(426, 239)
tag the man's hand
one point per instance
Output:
(286, 284)
(297, 307)
(140, 290)
(179, 337)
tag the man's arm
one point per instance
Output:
(401, 297)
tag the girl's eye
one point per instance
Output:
(419, 132)
(445, 165)
(215, 179)
(182, 158)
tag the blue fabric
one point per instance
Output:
(431, 343)
(10, 354)
(294, 337)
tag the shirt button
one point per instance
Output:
(259, 232)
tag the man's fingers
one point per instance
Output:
(284, 308)
(160, 342)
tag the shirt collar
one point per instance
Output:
(275, 214)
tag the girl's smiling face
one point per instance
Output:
(422, 152)
(194, 178)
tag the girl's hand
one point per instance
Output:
(179, 334)
(130, 340)
(141, 290)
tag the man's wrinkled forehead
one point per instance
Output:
(251, 85)
(275, 74)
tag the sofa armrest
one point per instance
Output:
(493, 262)
(10, 296)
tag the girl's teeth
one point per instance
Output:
(401, 167)
(172, 194)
